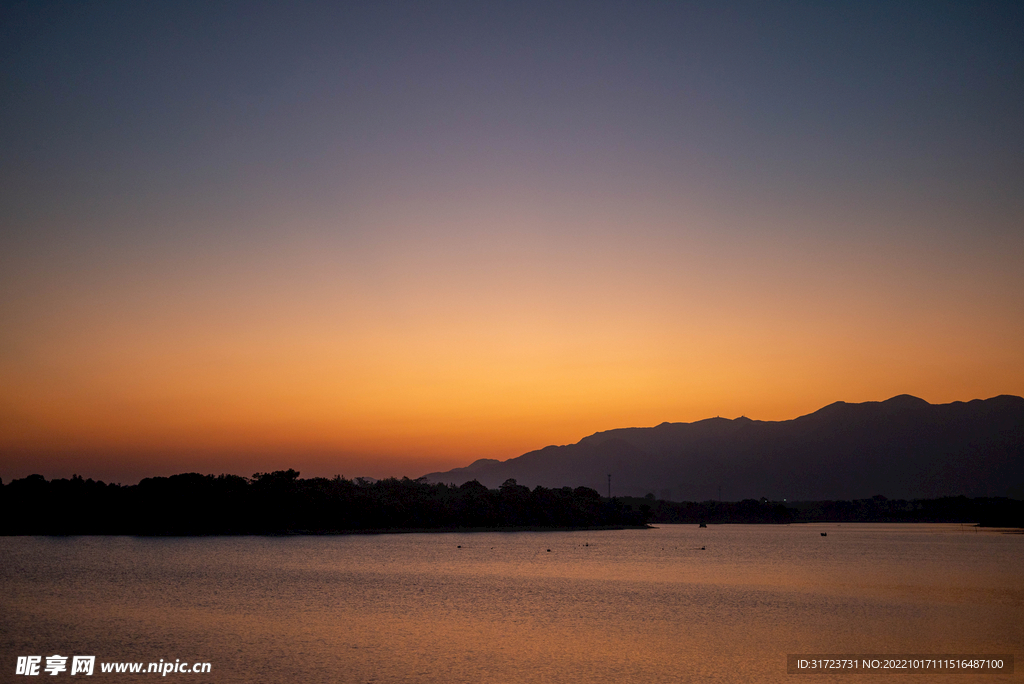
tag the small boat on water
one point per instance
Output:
(703, 524)
(824, 534)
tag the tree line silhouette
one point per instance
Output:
(985, 511)
(281, 502)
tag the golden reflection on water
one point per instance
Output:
(643, 606)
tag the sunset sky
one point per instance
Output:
(387, 238)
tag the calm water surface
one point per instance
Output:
(614, 606)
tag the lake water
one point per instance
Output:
(609, 606)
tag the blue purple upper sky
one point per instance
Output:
(387, 238)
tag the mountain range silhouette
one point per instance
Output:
(900, 448)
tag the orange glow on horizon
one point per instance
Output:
(407, 353)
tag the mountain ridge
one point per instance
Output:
(902, 447)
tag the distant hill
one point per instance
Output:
(900, 448)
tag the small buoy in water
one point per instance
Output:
(703, 548)
(824, 534)
(460, 546)
(549, 550)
